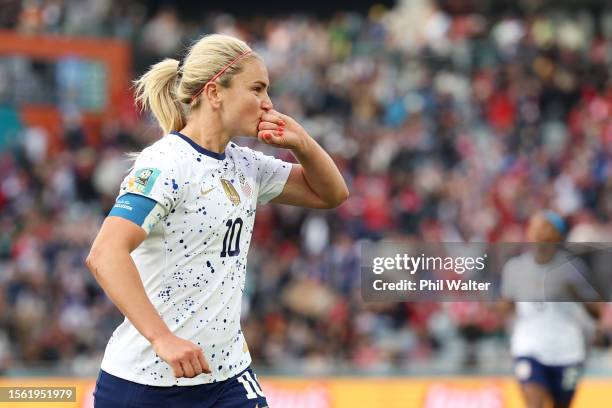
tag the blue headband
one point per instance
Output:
(556, 220)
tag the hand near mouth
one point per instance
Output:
(280, 130)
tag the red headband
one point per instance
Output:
(213, 79)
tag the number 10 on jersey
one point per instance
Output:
(234, 228)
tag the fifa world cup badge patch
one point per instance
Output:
(230, 191)
(142, 181)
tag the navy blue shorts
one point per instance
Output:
(559, 381)
(241, 391)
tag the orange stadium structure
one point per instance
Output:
(398, 392)
(113, 55)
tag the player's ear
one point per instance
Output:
(211, 90)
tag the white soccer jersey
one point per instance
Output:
(193, 262)
(551, 332)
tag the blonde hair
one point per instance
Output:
(170, 96)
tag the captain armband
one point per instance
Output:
(142, 211)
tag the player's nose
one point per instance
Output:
(267, 104)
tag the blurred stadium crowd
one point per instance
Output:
(448, 128)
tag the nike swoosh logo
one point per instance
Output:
(207, 191)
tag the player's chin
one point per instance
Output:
(247, 131)
(251, 132)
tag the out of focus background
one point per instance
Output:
(451, 120)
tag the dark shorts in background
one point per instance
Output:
(560, 381)
(241, 391)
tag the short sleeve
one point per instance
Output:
(272, 175)
(576, 276)
(156, 176)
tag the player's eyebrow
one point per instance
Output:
(262, 83)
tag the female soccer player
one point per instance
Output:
(172, 253)
(555, 309)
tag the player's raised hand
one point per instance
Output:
(280, 130)
(185, 358)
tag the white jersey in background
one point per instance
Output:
(193, 262)
(554, 333)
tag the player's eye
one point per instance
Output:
(257, 89)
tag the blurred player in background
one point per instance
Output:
(185, 213)
(550, 338)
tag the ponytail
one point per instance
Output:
(156, 90)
